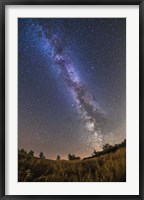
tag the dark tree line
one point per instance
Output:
(73, 157)
(22, 154)
(108, 148)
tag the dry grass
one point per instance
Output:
(110, 167)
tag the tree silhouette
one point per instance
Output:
(95, 153)
(31, 153)
(73, 157)
(58, 157)
(124, 142)
(41, 155)
(22, 154)
(107, 147)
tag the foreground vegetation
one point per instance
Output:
(108, 165)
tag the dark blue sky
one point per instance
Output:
(72, 84)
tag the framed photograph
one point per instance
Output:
(71, 99)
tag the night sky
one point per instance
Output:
(71, 84)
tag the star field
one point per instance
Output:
(71, 84)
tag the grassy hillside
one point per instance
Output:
(109, 167)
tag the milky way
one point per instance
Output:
(51, 42)
(88, 111)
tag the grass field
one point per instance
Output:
(109, 167)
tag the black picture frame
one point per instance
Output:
(3, 3)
